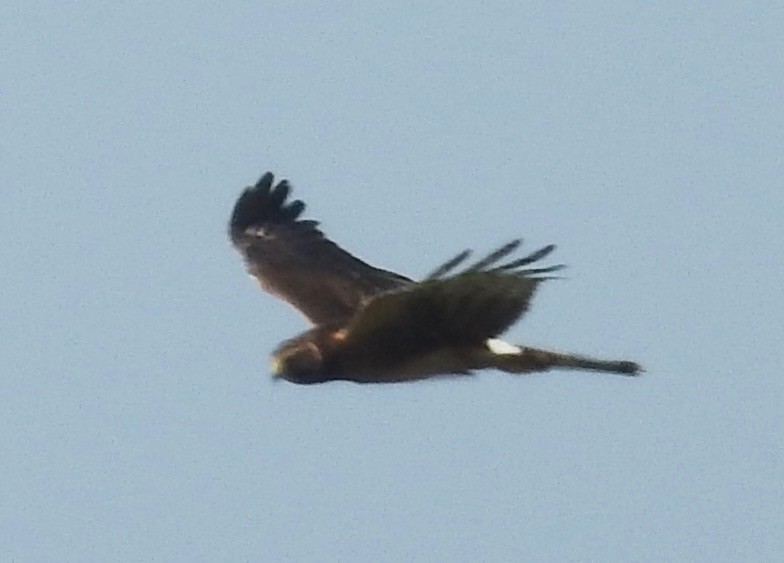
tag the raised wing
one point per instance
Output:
(479, 303)
(292, 259)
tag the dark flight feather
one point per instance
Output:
(469, 307)
(293, 260)
(488, 263)
(495, 256)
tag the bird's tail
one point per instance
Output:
(524, 359)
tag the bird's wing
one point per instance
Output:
(292, 259)
(466, 309)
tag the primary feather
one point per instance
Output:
(292, 259)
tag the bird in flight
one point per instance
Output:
(375, 326)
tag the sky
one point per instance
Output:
(138, 419)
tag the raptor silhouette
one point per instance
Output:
(375, 326)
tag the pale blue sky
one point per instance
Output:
(137, 417)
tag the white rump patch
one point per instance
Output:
(497, 346)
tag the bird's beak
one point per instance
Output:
(275, 368)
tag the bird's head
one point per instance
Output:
(299, 362)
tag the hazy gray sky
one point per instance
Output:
(137, 417)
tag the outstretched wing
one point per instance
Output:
(292, 259)
(466, 309)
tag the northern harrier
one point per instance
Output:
(372, 325)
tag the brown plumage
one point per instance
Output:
(373, 325)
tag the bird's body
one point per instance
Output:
(375, 326)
